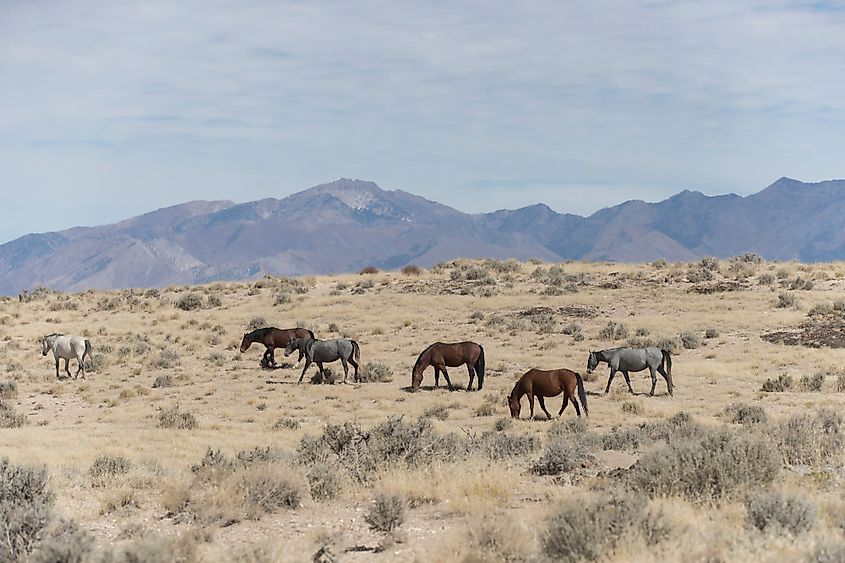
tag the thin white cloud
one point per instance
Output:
(139, 105)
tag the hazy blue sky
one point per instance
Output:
(111, 109)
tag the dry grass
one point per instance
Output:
(176, 443)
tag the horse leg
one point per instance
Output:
(448, 381)
(354, 365)
(436, 377)
(299, 359)
(575, 404)
(565, 403)
(80, 367)
(67, 367)
(531, 405)
(307, 363)
(57, 369)
(653, 381)
(628, 381)
(543, 406)
(667, 377)
(322, 372)
(471, 377)
(345, 368)
(609, 380)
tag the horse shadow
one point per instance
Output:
(410, 389)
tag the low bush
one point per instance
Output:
(189, 302)
(25, 509)
(709, 467)
(739, 413)
(411, 270)
(560, 456)
(324, 481)
(368, 270)
(613, 331)
(163, 381)
(106, 467)
(8, 389)
(286, 423)
(781, 384)
(9, 418)
(711, 333)
(503, 445)
(386, 513)
(175, 418)
(775, 511)
(805, 439)
(265, 492)
(786, 301)
(811, 382)
(690, 340)
(440, 412)
(376, 372)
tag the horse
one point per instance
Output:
(627, 359)
(320, 351)
(442, 355)
(67, 347)
(548, 383)
(273, 338)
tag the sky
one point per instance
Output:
(113, 109)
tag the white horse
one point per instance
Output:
(67, 347)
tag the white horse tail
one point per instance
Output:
(88, 350)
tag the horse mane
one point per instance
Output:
(54, 334)
(260, 331)
(419, 358)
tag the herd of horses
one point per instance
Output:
(534, 383)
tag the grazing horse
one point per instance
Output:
(442, 355)
(319, 351)
(67, 347)
(273, 338)
(548, 383)
(627, 359)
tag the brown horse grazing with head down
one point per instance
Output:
(273, 338)
(442, 355)
(548, 383)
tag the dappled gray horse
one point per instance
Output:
(627, 359)
(67, 347)
(319, 351)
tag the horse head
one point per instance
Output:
(592, 361)
(293, 344)
(514, 405)
(245, 343)
(416, 376)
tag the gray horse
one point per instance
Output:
(319, 351)
(627, 359)
(67, 347)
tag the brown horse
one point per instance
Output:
(273, 338)
(442, 355)
(548, 383)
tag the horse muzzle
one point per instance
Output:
(43, 353)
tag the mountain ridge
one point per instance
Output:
(347, 224)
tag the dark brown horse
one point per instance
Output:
(548, 383)
(273, 338)
(442, 355)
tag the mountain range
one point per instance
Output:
(347, 224)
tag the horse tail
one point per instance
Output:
(479, 366)
(582, 395)
(88, 350)
(356, 351)
(310, 333)
(667, 362)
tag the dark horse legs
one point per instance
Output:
(610, 379)
(448, 381)
(543, 406)
(471, 372)
(269, 357)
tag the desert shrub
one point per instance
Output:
(560, 456)
(487, 406)
(588, 529)
(690, 340)
(213, 301)
(287, 423)
(630, 407)
(8, 389)
(711, 332)
(163, 381)
(106, 467)
(63, 542)
(175, 418)
(9, 418)
(839, 384)
(786, 300)
(709, 467)
(399, 441)
(217, 358)
(811, 382)
(827, 551)
(781, 384)
(739, 413)
(189, 302)
(775, 511)
(411, 270)
(710, 263)
(368, 270)
(440, 412)
(502, 445)
(183, 547)
(766, 279)
(804, 439)
(801, 284)
(672, 345)
(282, 298)
(613, 331)
(376, 372)
(25, 509)
(659, 264)
(502, 424)
(497, 537)
(574, 330)
(698, 275)
(324, 482)
(677, 427)
(256, 322)
(258, 455)
(267, 492)
(166, 359)
(386, 513)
